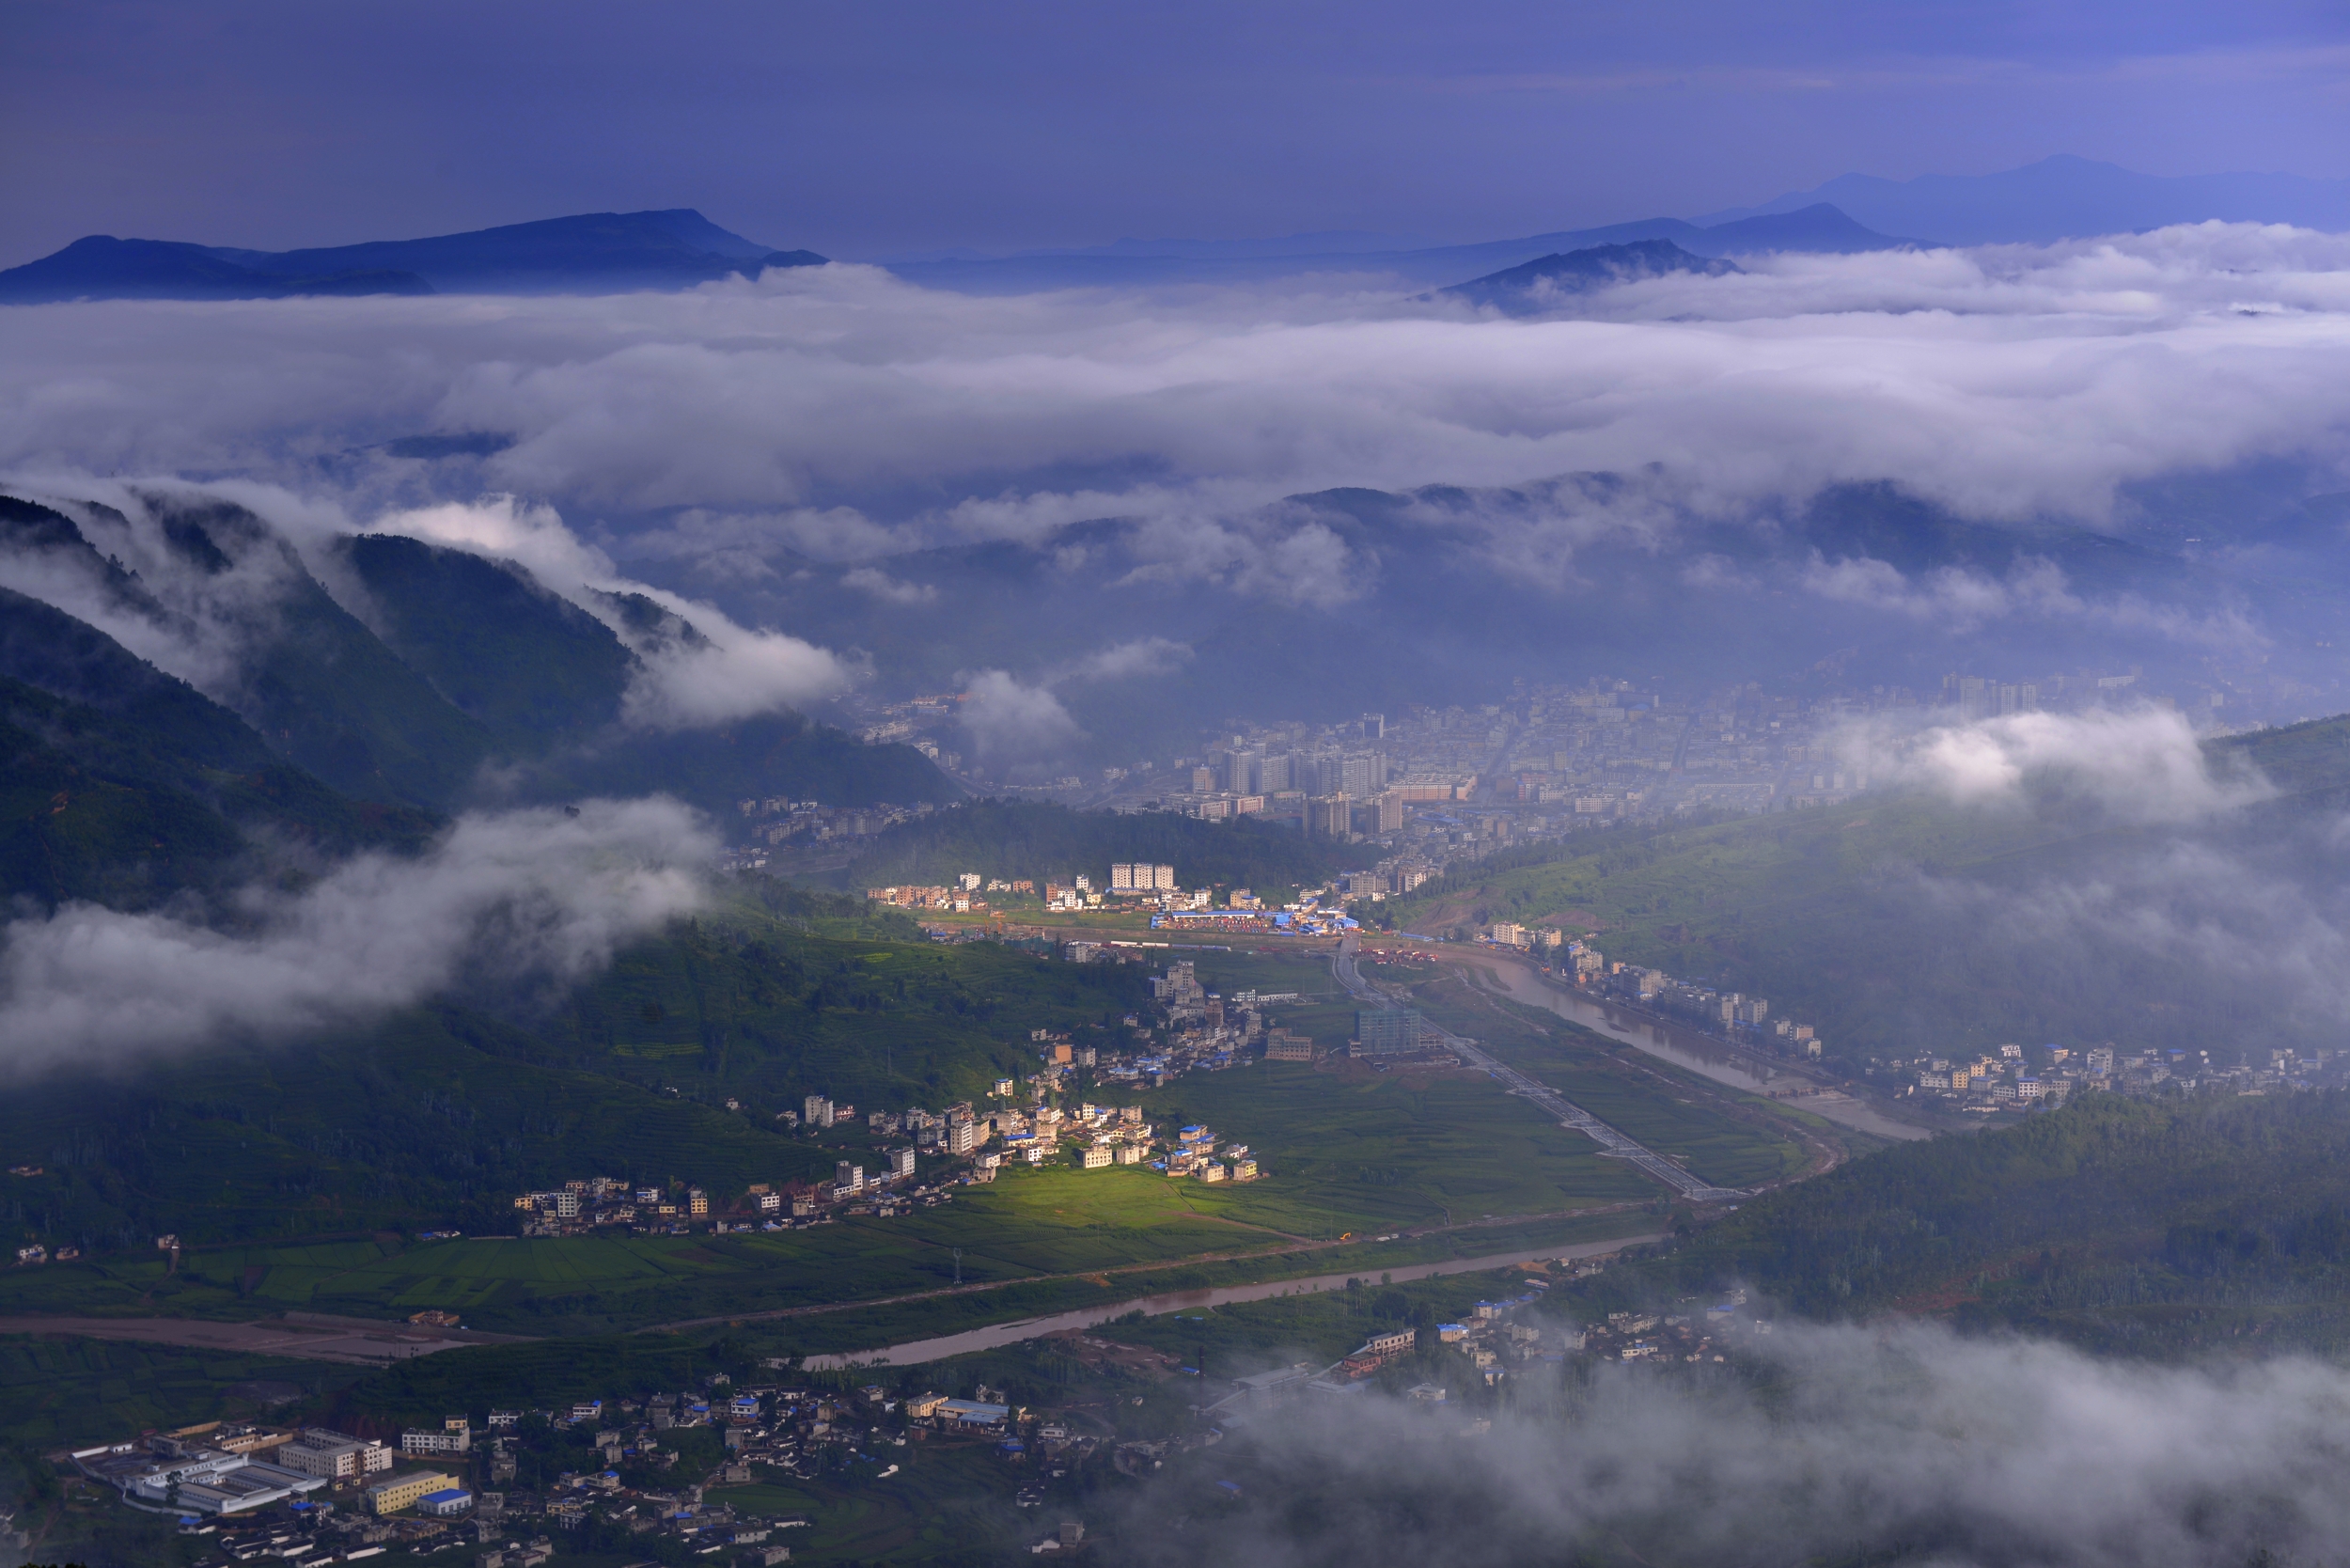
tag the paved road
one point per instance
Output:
(1569, 1114)
(995, 1335)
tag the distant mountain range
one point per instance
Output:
(2064, 197)
(1820, 227)
(618, 252)
(2052, 199)
(594, 253)
(1536, 284)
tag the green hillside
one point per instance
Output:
(148, 788)
(476, 666)
(439, 1115)
(715, 767)
(2128, 1225)
(507, 653)
(1898, 922)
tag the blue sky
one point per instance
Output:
(869, 129)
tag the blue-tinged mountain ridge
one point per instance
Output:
(592, 253)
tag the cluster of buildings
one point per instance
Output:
(1199, 1030)
(1741, 1020)
(971, 892)
(1038, 1127)
(2015, 1077)
(1195, 1154)
(1496, 1341)
(918, 722)
(1318, 912)
(636, 1481)
(1547, 758)
(778, 822)
(313, 1494)
(322, 1496)
(885, 1188)
(1668, 1337)
(1556, 758)
(599, 1201)
(1043, 1130)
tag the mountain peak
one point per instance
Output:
(1542, 284)
(2064, 196)
(584, 253)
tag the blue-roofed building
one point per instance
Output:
(444, 1503)
(972, 1412)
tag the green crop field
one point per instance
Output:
(1346, 1152)
(947, 1498)
(1732, 1139)
(61, 1392)
(1824, 914)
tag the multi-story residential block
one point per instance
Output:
(455, 1436)
(336, 1455)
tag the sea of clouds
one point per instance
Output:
(839, 416)
(509, 902)
(1887, 1444)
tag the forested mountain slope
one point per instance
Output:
(1905, 921)
(441, 1114)
(2132, 1225)
(446, 663)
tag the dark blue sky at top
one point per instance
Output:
(868, 129)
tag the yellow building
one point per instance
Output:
(398, 1492)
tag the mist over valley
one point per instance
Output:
(724, 840)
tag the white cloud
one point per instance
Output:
(1888, 1443)
(736, 673)
(888, 589)
(504, 899)
(1962, 599)
(1143, 657)
(1018, 724)
(729, 546)
(196, 621)
(2142, 764)
(1013, 723)
(840, 413)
